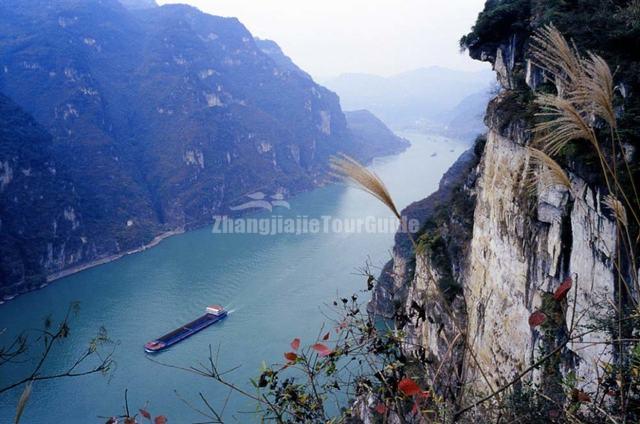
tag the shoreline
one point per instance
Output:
(50, 278)
(102, 261)
(107, 259)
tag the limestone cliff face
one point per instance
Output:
(505, 265)
(521, 250)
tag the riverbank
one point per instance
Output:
(92, 264)
(50, 278)
(75, 269)
(277, 286)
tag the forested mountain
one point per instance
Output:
(38, 202)
(162, 117)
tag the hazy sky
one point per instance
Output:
(384, 37)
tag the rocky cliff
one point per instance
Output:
(162, 117)
(36, 192)
(465, 294)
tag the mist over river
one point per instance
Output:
(277, 287)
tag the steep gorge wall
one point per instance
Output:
(160, 118)
(521, 251)
(518, 249)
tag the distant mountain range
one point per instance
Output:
(433, 99)
(121, 124)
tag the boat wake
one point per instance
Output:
(231, 308)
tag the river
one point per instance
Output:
(276, 286)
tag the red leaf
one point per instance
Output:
(583, 397)
(563, 289)
(290, 356)
(130, 420)
(409, 387)
(145, 414)
(322, 349)
(381, 408)
(580, 396)
(537, 318)
(161, 420)
(295, 344)
(325, 337)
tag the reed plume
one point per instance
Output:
(563, 123)
(617, 208)
(585, 86)
(552, 173)
(553, 53)
(349, 169)
(22, 402)
(596, 89)
(585, 91)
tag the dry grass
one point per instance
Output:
(22, 403)
(585, 94)
(553, 53)
(349, 169)
(562, 123)
(544, 172)
(585, 90)
(584, 101)
(595, 90)
(617, 208)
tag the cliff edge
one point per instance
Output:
(466, 295)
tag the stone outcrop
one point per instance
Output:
(516, 252)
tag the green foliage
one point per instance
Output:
(513, 106)
(434, 245)
(143, 129)
(498, 20)
(34, 196)
(448, 228)
(356, 357)
(356, 365)
(522, 404)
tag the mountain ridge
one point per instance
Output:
(138, 4)
(417, 99)
(164, 116)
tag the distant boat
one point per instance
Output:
(214, 313)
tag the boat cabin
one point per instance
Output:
(215, 310)
(154, 346)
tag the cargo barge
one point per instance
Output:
(213, 314)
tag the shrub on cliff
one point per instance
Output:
(498, 20)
